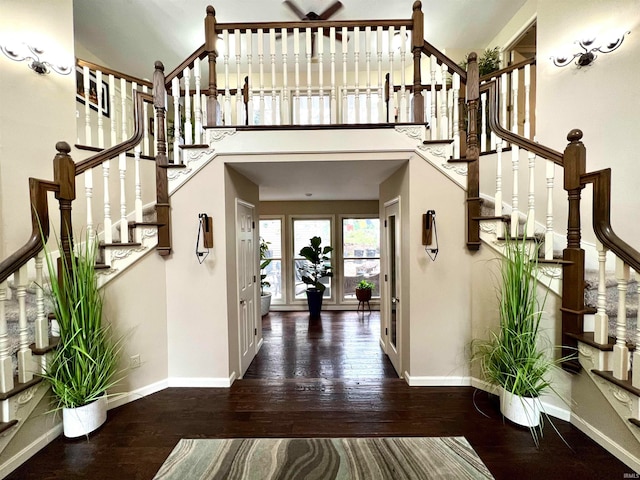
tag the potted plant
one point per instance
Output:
(364, 290)
(85, 364)
(313, 270)
(265, 297)
(513, 358)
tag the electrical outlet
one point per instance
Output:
(134, 361)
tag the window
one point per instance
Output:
(356, 108)
(271, 232)
(361, 254)
(311, 106)
(271, 104)
(303, 230)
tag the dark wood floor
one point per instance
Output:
(324, 378)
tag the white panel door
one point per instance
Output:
(392, 284)
(247, 264)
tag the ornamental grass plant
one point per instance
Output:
(85, 363)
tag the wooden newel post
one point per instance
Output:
(473, 153)
(64, 174)
(417, 42)
(213, 107)
(163, 206)
(575, 165)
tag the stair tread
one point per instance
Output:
(588, 338)
(624, 384)
(504, 218)
(173, 165)
(145, 224)
(101, 266)
(197, 145)
(635, 421)
(460, 160)
(120, 244)
(19, 387)
(53, 343)
(555, 261)
(572, 366)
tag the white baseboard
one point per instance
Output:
(121, 399)
(549, 409)
(605, 442)
(435, 381)
(202, 382)
(30, 450)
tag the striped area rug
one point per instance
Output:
(324, 458)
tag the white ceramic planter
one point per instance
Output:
(265, 304)
(523, 411)
(84, 420)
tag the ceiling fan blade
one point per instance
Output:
(295, 9)
(329, 12)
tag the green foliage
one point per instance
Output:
(488, 61)
(512, 357)
(85, 363)
(264, 262)
(365, 285)
(317, 266)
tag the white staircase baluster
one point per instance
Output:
(284, 106)
(515, 159)
(87, 107)
(320, 54)
(296, 79)
(332, 53)
(483, 122)
(145, 116)
(308, 46)
(122, 169)
(531, 204)
(635, 374)
(274, 93)
(498, 197)
(6, 367)
(237, 40)
(25, 359)
(41, 325)
(620, 350)
(188, 128)
(444, 121)
(356, 73)
(123, 114)
(175, 93)
(261, 75)
(404, 104)
(380, 117)
(527, 100)
(108, 232)
(456, 115)
(345, 51)
(503, 101)
(88, 192)
(112, 100)
(548, 237)
(391, 107)
(138, 201)
(228, 119)
(367, 53)
(251, 119)
(433, 127)
(197, 102)
(100, 112)
(601, 330)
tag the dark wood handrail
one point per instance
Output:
(429, 49)
(39, 225)
(509, 69)
(200, 53)
(601, 181)
(115, 73)
(136, 138)
(494, 123)
(338, 24)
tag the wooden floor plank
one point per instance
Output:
(356, 393)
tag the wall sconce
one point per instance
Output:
(205, 231)
(32, 55)
(587, 57)
(430, 234)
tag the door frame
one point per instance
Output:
(394, 353)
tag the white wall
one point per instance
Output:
(36, 111)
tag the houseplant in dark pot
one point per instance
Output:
(364, 290)
(265, 297)
(316, 267)
(85, 364)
